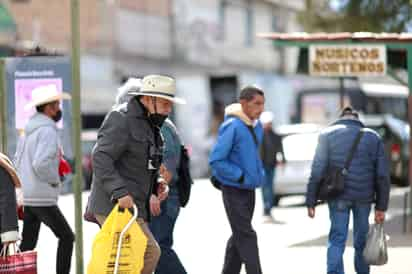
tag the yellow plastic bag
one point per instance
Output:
(105, 245)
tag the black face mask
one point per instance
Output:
(58, 116)
(157, 119)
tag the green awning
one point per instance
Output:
(7, 23)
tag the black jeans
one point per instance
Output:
(242, 246)
(54, 219)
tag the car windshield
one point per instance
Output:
(300, 147)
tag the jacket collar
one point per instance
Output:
(136, 108)
(348, 122)
(237, 111)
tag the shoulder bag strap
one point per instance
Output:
(352, 151)
(250, 128)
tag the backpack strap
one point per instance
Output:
(250, 128)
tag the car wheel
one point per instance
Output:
(276, 199)
(404, 182)
(399, 181)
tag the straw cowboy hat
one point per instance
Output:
(46, 94)
(158, 86)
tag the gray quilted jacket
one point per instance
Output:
(120, 159)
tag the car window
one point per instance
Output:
(384, 105)
(300, 147)
(381, 130)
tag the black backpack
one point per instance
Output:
(185, 182)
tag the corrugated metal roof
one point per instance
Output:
(322, 36)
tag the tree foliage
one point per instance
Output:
(357, 15)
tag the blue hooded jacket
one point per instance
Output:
(235, 160)
(368, 175)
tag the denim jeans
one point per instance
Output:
(339, 212)
(162, 228)
(54, 219)
(267, 190)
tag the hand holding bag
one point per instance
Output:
(19, 262)
(376, 248)
(120, 245)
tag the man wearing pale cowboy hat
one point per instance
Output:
(37, 163)
(128, 155)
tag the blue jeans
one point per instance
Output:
(267, 190)
(339, 211)
(162, 228)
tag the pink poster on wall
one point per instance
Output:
(23, 89)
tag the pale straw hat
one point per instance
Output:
(46, 94)
(159, 86)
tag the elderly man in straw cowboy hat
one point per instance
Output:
(37, 162)
(128, 155)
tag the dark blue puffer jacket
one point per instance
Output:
(368, 175)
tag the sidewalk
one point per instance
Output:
(312, 254)
(397, 227)
(298, 246)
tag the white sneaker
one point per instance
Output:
(268, 219)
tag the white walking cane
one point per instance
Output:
(119, 244)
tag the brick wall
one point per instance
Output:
(49, 22)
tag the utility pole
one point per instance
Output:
(75, 61)
(342, 92)
(409, 69)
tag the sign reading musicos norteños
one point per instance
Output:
(347, 60)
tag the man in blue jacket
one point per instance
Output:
(367, 181)
(236, 165)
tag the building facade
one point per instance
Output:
(209, 46)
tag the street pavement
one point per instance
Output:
(295, 244)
